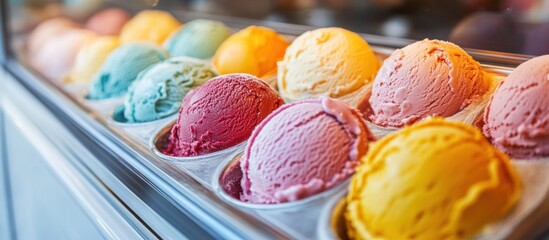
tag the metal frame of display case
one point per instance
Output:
(6, 211)
(167, 200)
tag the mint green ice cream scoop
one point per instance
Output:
(160, 89)
(198, 38)
(122, 67)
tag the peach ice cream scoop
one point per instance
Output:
(426, 78)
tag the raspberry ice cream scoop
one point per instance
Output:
(426, 78)
(517, 117)
(220, 114)
(302, 149)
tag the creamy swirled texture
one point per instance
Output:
(331, 62)
(426, 78)
(159, 90)
(253, 50)
(517, 117)
(121, 68)
(433, 180)
(220, 114)
(302, 149)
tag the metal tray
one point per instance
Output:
(311, 218)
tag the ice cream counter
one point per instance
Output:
(186, 125)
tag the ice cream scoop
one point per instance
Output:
(46, 30)
(199, 38)
(122, 67)
(253, 50)
(517, 118)
(485, 30)
(56, 57)
(302, 149)
(426, 78)
(220, 114)
(149, 26)
(330, 62)
(108, 21)
(90, 58)
(433, 180)
(159, 90)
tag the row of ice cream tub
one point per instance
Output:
(273, 125)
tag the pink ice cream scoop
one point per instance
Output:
(56, 57)
(302, 149)
(108, 21)
(220, 114)
(426, 78)
(46, 30)
(517, 118)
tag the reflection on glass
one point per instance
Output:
(514, 26)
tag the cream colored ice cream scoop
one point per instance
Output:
(90, 58)
(330, 62)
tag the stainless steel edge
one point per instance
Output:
(6, 206)
(110, 217)
(4, 49)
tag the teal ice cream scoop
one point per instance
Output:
(122, 67)
(199, 38)
(160, 89)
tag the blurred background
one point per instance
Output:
(512, 26)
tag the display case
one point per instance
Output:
(70, 169)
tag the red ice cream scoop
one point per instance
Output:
(220, 114)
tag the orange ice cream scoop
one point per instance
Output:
(254, 50)
(434, 180)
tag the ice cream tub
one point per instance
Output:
(104, 107)
(295, 216)
(162, 138)
(75, 89)
(229, 171)
(332, 223)
(141, 130)
(202, 167)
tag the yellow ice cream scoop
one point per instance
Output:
(327, 61)
(253, 50)
(90, 58)
(150, 26)
(434, 180)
